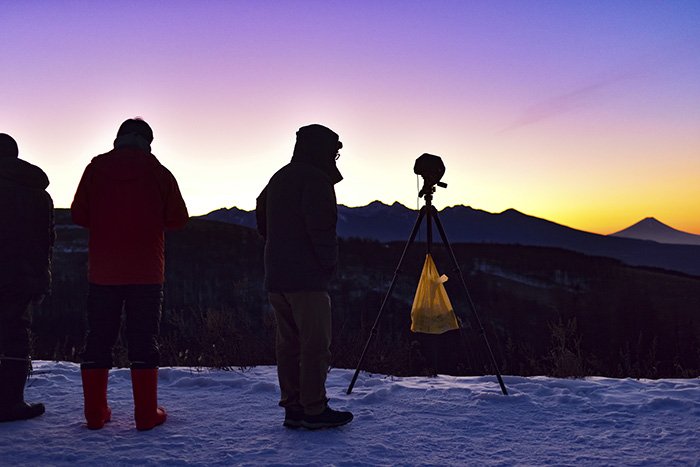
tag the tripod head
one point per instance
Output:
(431, 168)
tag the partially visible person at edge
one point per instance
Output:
(297, 215)
(26, 245)
(126, 199)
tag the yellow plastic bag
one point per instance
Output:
(432, 312)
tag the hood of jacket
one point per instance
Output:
(20, 172)
(318, 145)
(125, 163)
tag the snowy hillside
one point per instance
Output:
(231, 417)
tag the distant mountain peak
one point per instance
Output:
(653, 229)
(376, 204)
(513, 212)
(652, 221)
(649, 224)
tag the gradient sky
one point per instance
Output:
(586, 113)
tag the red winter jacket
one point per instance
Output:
(126, 198)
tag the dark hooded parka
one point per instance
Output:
(297, 215)
(26, 245)
(27, 232)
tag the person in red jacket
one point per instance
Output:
(126, 199)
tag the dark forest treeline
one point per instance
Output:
(545, 310)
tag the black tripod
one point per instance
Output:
(429, 213)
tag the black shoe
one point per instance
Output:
(22, 411)
(329, 418)
(13, 375)
(293, 418)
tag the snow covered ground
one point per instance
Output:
(232, 417)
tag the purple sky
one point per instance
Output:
(584, 113)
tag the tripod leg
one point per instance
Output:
(373, 331)
(469, 299)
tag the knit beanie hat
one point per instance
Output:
(137, 126)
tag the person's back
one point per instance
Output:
(126, 199)
(26, 242)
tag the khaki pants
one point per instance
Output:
(303, 348)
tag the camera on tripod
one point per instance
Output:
(431, 168)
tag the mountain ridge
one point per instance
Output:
(464, 224)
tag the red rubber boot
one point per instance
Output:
(147, 413)
(97, 412)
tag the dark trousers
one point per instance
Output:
(15, 320)
(303, 348)
(141, 305)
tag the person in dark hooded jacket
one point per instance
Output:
(26, 244)
(126, 199)
(297, 215)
